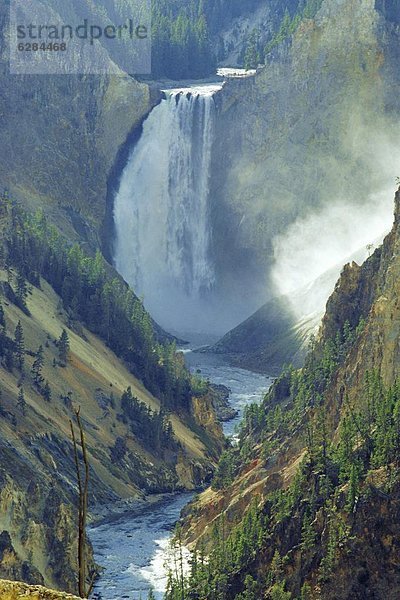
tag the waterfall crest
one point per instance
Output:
(162, 207)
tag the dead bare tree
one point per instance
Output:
(83, 486)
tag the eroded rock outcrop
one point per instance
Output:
(11, 590)
(354, 543)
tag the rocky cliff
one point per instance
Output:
(319, 488)
(233, 23)
(61, 137)
(60, 140)
(297, 140)
(9, 590)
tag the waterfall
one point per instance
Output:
(162, 207)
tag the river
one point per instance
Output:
(132, 547)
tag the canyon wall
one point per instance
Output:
(315, 129)
(60, 138)
(282, 474)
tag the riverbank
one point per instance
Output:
(132, 547)
(131, 538)
(107, 513)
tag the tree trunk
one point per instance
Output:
(83, 484)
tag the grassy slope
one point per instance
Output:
(37, 471)
(92, 368)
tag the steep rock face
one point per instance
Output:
(39, 525)
(205, 415)
(60, 139)
(371, 292)
(297, 137)
(364, 560)
(232, 24)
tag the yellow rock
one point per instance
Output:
(12, 590)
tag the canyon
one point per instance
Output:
(230, 206)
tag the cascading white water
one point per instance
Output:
(162, 208)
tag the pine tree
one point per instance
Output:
(353, 491)
(22, 290)
(396, 426)
(306, 592)
(46, 392)
(63, 347)
(9, 360)
(21, 402)
(252, 56)
(250, 589)
(7, 267)
(151, 595)
(225, 471)
(2, 317)
(38, 366)
(307, 533)
(278, 592)
(20, 346)
(276, 568)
